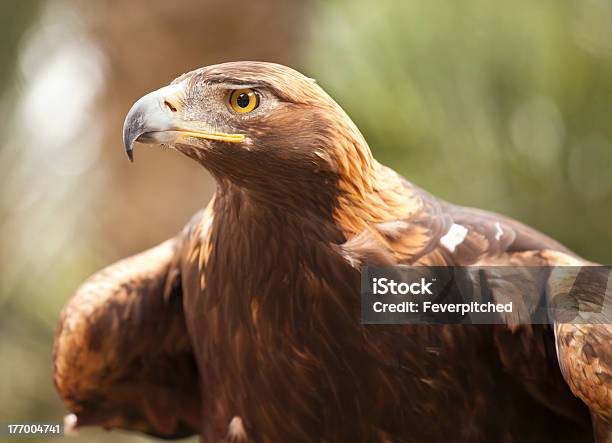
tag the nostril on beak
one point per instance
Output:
(169, 106)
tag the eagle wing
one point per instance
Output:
(584, 342)
(122, 355)
(539, 357)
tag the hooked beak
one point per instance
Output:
(157, 118)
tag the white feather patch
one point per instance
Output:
(70, 425)
(455, 236)
(236, 431)
(499, 232)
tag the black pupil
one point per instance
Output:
(243, 100)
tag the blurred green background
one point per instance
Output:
(501, 105)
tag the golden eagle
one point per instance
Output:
(246, 325)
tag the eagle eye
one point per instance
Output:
(244, 100)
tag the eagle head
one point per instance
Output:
(259, 126)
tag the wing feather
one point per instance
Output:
(583, 356)
(122, 355)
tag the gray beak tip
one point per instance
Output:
(130, 154)
(132, 129)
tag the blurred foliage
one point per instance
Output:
(15, 18)
(504, 106)
(501, 105)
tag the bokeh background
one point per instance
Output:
(500, 105)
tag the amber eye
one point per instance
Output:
(244, 100)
